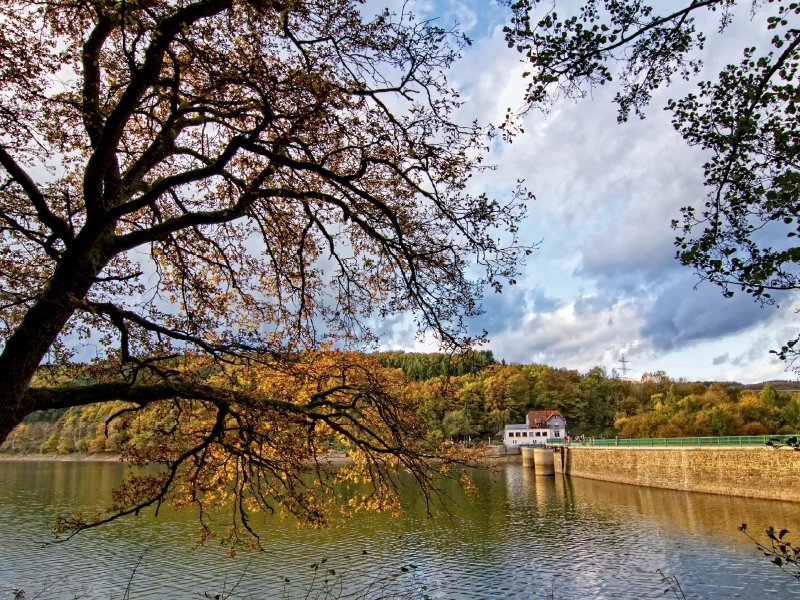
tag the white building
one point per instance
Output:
(541, 425)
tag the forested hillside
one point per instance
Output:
(475, 397)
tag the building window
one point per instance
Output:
(524, 434)
(556, 433)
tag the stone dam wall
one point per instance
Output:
(749, 472)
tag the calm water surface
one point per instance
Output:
(523, 537)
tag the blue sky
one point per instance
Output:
(604, 281)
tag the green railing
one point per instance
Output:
(730, 440)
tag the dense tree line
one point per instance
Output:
(476, 397)
(481, 404)
(420, 366)
(715, 410)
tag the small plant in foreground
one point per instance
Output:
(673, 585)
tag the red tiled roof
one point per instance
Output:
(539, 418)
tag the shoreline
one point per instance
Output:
(115, 457)
(75, 457)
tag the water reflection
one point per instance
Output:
(524, 536)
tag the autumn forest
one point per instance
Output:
(474, 398)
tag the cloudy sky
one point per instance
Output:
(604, 281)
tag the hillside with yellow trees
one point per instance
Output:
(461, 398)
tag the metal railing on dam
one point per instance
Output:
(715, 441)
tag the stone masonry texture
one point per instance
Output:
(749, 472)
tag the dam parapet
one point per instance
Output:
(754, 472)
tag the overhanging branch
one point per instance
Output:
(47, 398)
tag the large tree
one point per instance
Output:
(743, 236)
(207, 191)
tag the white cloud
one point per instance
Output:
(570, 336)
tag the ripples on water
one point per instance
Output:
(523, 537)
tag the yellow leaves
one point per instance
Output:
(259, 441)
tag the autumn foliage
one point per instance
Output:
(477, 404)
(266, 445)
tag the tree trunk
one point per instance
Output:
(42, 324)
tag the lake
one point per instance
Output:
(522, 537)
